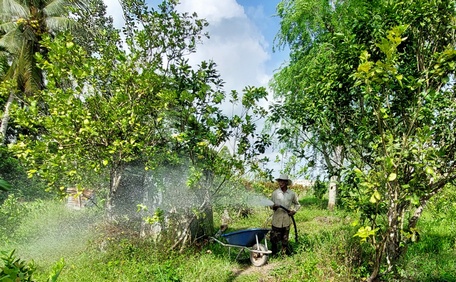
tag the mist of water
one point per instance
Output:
(238, 196)
(258, 201)
(167, 190)
(52, 231)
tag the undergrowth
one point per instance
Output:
(325, 250)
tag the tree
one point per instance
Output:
(392, 109)
(142, 104)
(92, 23)
(314, 85)
(22, 25)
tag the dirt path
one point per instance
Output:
(262, 272)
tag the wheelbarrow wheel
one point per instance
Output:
(258, 259)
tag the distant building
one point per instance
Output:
(304, 182)
(77, 199)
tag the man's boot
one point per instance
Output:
(274, 248)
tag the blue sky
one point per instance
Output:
(241, 41)
(242, 34)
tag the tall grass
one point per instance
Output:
(433, 257)
(325, 251)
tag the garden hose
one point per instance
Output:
(294, 222)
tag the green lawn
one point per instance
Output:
(326, 249)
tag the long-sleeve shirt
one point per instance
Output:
(287, 199)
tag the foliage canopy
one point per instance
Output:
(374, 78)
(136, 101)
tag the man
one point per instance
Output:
(283, 199)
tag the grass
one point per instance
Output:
(325, 251)
(433, 258)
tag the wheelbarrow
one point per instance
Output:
(248, 240)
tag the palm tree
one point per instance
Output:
(22, 25)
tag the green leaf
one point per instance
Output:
(365, 232)
(429, 170)
(375, 197)
(5, 186)
(392, 176)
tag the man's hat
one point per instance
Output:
(284, 177)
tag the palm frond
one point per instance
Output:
(14, 9)
(8, 26)
(12, 70)
(4, 17)
(4, 186)
(60, 23)
(56, 8)
(4, 66)
(25, 72)
(20, 41)
(80, 4)
(12, 41)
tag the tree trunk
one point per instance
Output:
(5, 118)
(334, 163)
(116, 176)
(392, 245)
(204, 225)
(379, 252)
(145, 201)
(332, 192)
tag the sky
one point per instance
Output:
(241, 38)
(241, 41)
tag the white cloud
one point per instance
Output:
(213, 11)
(238, 47)
(114, 9)
(235, 43)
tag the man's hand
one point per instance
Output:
(275, 207)
(291, 213)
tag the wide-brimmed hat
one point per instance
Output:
(284, 177)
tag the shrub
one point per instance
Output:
(19, 183)
(320, 188)
(12, 211)
(15, 269)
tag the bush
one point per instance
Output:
(12, 172)
(12, 211)
(15, 269)
(320, 188)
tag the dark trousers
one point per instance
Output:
(280, 235)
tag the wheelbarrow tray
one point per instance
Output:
(246, 237)
(248, 240)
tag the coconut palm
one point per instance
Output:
(22, 25)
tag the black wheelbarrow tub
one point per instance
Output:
(246, 237)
